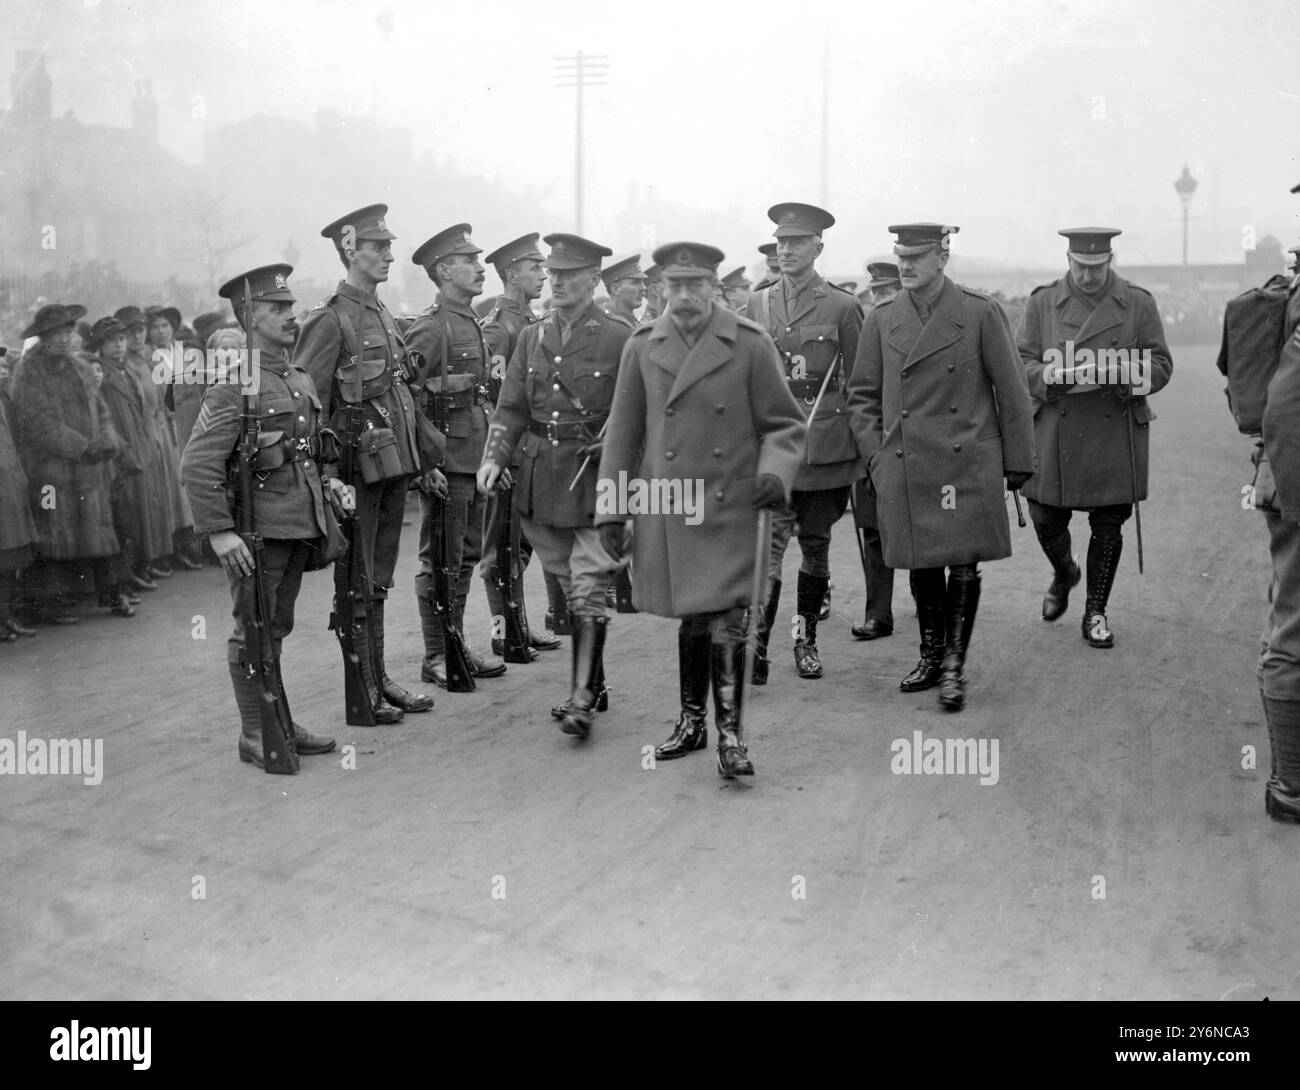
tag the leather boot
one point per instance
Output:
(811, 591)
(930, 620)
(557, 614)
(1067, 573)
(434, 666)
(588, 647)
(1103, 562)
(250, 720)
(393, 693)
(962, 602)
(766, 619)
(478, 665)
(727, 667)
(623, 590)
(384, 712)
(693, 675)
(303, 742)
(497, 608)
(1282, 793)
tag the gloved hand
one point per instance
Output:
(433, 483)
(768, 491)
(593, 450)
(1016, 480)
(611, 539)
(99, 449)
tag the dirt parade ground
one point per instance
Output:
(1111, 844)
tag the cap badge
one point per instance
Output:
(558, 248)
(683, 257)
(380, 224)
(790, 217)
(280, 281)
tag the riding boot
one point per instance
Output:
(693, 672)
(393, 693)
(623, 590)
(537, 637)
(557, 613)
(810, 592)
(727, 667)
(929, 592)
(478, 665)
(588, 646)
(765, 621)
(1066, 573)
(1282, 793)
(249, 703)
(1103, 561)
(961, 604)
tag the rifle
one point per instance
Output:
(278, 753)
(515, 636)
(459, 677)
(359, 701)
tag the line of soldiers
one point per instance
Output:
(922, 413)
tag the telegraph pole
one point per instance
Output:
(578, 71)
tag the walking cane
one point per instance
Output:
(1133, 476)
(757, 589)
(859, 533)
(1020, 514)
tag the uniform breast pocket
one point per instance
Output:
(818, 345)
(277, 480)
(593, 382)
(466, 358)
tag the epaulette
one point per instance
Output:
(490, 317)
(618, 318)
(1043, 287)
(1138, 287)
(852, 295)
(975, 292)
(748, 323)
(886, 302)
(325, 302)
(643, 329)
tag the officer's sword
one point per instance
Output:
(587, 460)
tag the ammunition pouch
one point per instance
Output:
(364, 380)
(274, 450)
(454, 392)
(377, 456)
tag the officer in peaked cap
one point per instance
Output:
(884, 283)
(519, 265)
(453, 365)
(878, 609)
(815, 326)
(735, 288)
(626, 284)
(554, 403)
(773, 273)
(351, 347)
(701, 395)
(289, 497)
(937, 375)
(1092, 444)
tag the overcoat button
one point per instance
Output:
(719, 408)
(669, 455)
(717, 452)
(956, 446)
(559, 359)
(556, 387)
(903, 414)
(788, 328)
(719, 496)
(952, 408)
(669, 411)
(952, 367)
(898, 453)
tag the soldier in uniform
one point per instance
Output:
(1091, 430)
(773, 273)
(878, 619)
(941, 414)
(1279, 661)
(626, 284)
(555, 400)
(289, 504)
(701, 395)
(352, 350)
(735, 289)
(519, 265)
(453, 362)
(654, 300)
(815, 326)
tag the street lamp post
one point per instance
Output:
(1185, 187)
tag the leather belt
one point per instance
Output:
(557, 430)
(808, 389)
(464, 399)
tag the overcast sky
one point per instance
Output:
(1008, 118)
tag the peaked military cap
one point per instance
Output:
(524, 248)
(129, 316)
(266, 284)
(574, 252)
(735, 279)
(918, 238)
(447, 243)
(366, 223)
(170, 313)
(689, 259)
(792, 218)
(54, 316)
(1090, 245)
(653, 274)
(627, 269)
(768, 250)
(1295, 188)
(882, 273)
(102, 330)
